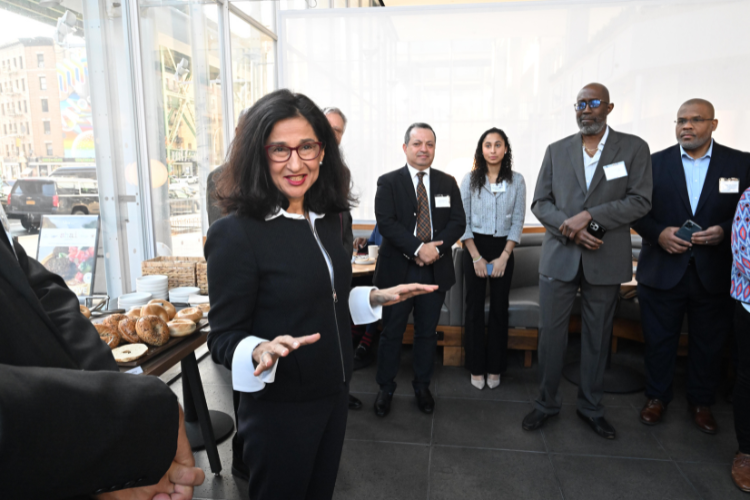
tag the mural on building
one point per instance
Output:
(75, 104)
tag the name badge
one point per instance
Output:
(442, 201)
(615, 170)
(498, 188)
(729, 185)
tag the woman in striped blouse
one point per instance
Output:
(494, 200)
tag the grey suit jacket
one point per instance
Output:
(561, 193)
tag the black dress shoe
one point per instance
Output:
(535, 420)
(599, 424)
(362, 357)
(383, 403)
(354, 403)
(425, 402)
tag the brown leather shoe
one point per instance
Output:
(703, 418)
(652, 411)
(741, 471)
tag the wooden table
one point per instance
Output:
(203, 427)
(366, 270)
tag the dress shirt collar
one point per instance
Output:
(601, 143)
(281, 212)
(684, 153)
(413, 171)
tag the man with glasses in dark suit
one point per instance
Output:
(591, 187)
(686, 261)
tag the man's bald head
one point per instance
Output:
(710, 112)
(601, 91)
(696, 122)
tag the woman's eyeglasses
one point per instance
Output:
(306, 151)
(592, 103)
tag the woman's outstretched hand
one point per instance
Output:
(396, 294)
(266, 353)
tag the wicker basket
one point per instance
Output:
(202, 277)
(179, 270)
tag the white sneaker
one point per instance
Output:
(493, 381)
(479, 384)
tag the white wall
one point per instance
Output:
(517, 66)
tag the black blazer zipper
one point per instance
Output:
(335, 299)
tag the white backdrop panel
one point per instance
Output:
(517, 66)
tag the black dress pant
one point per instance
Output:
(293, 448)
(426, 316)
(709, 321)
(741, 399)
(487, 353)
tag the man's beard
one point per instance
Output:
(694, 144)
(592, 129)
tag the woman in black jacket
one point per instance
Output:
(279, 284)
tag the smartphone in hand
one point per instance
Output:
(489, 269)
(687, 230)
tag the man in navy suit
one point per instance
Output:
(420, 215)
(701, 181)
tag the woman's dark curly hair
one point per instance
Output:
(245, 185)
(479, 171)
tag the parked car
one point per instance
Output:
(181, 203)
(5, 187)
(81, 172)
(31, 198)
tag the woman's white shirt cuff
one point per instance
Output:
(243, 369)
(360, 308)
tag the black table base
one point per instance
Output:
(204, 428)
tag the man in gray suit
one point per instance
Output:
(595, 180)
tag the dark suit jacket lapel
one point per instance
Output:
(609, 153)
(677, 171)
(575, 150)
(711, 184)
(11, 270)
(409, 185)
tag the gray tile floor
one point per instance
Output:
(473, 446)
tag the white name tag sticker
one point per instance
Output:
(615, 170)
(498, 188)
(443, 201)
(729, 185)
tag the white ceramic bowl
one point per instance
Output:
(133, 299)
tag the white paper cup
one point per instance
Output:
(372, 251)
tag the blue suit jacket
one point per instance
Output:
(670, 206)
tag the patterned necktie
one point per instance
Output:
(424, 233)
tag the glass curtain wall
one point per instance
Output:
(67, 116)
(253, 63)
(181, 62)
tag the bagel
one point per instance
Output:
(181, 327)
(192, 313)
(126, 329)
(108, 335)
(171, 311)
(85, 311)
(113, 320)
(127, 353)
(134, 313)
(152, 330)
(204, 307)
(154, 310)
